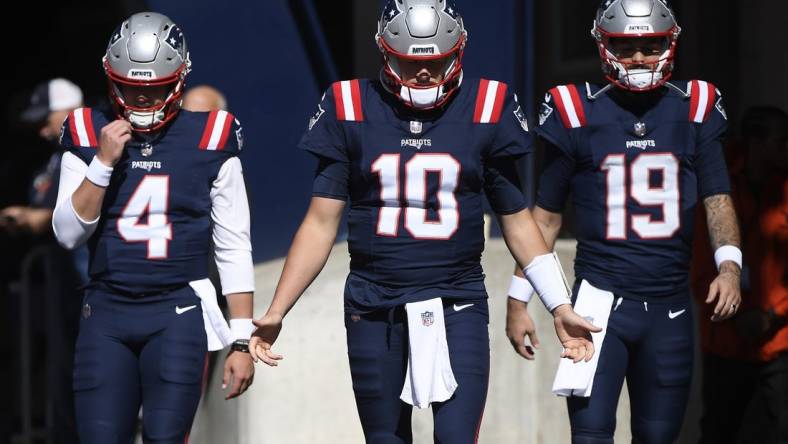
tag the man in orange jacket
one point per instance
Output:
(745, 377)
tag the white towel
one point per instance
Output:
(216, 328)
(429, 377)
(578, 379)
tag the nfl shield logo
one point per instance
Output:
(640, 129)
(427, 318)
(415, 127)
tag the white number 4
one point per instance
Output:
(151, 199)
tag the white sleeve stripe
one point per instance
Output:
(347, 100)
(489, 101)
(569, 106)
(703, 101)
(216, 131)
(79, 124)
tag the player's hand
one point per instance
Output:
(726, 289)
(519, 325)
(112, 140)
(238, 373)
(268, 328)
(574, 332)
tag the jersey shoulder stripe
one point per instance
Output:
(489, 101)
(570, 106)
(347, 98)
(217, 130)
(702, 95)
(82, 131)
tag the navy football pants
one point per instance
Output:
(133, 351)
(651, 345)
(378, 353)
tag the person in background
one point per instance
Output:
(745, 375)
(204, 98)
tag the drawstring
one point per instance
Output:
(645, 304)
(618, 303)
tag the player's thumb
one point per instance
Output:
(534, 339)
(589, 326)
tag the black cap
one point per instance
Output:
(52, 95)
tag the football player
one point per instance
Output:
(637, 154)
(147, 185)
(413, 152)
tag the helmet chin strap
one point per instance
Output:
(422, 97)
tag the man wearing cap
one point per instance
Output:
(49, 106)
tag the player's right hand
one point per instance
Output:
(574, 332)
(114, 137)
(519, 325)
(268, 328)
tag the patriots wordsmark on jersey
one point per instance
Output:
(635, 181)
(155, 227)
(415, 185)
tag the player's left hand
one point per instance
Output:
(726, 289)
(574, 332)
(239, 372)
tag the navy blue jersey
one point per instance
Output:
(635, 181)
(155, 226)
(415, 186)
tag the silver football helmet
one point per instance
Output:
(636, 19)
(421, 32)
(147, 52)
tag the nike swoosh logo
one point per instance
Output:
(672, 315)
(461, 307)
(179, 310)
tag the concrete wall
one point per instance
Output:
(309, 399)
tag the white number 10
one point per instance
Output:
(416, 169)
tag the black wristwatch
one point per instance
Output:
(241, 345)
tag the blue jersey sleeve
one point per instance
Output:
(325, 136)
(710, 158)
(555, 180)
(503, 186)
(331, 179)
(551, 128)
(512, 137)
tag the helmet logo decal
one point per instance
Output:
(639, 29)
(117, 35)
(424, 50)
(175, 39)
(391, 11)
(141, 74)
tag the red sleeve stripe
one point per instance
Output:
(570, 107)
(81, 127)
(489, 101)
(347, 98)
(702, 96)
(217, 130)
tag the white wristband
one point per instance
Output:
(98, 173)
(520, 289)
(547, 278)
(728, 253)
(242, 328)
